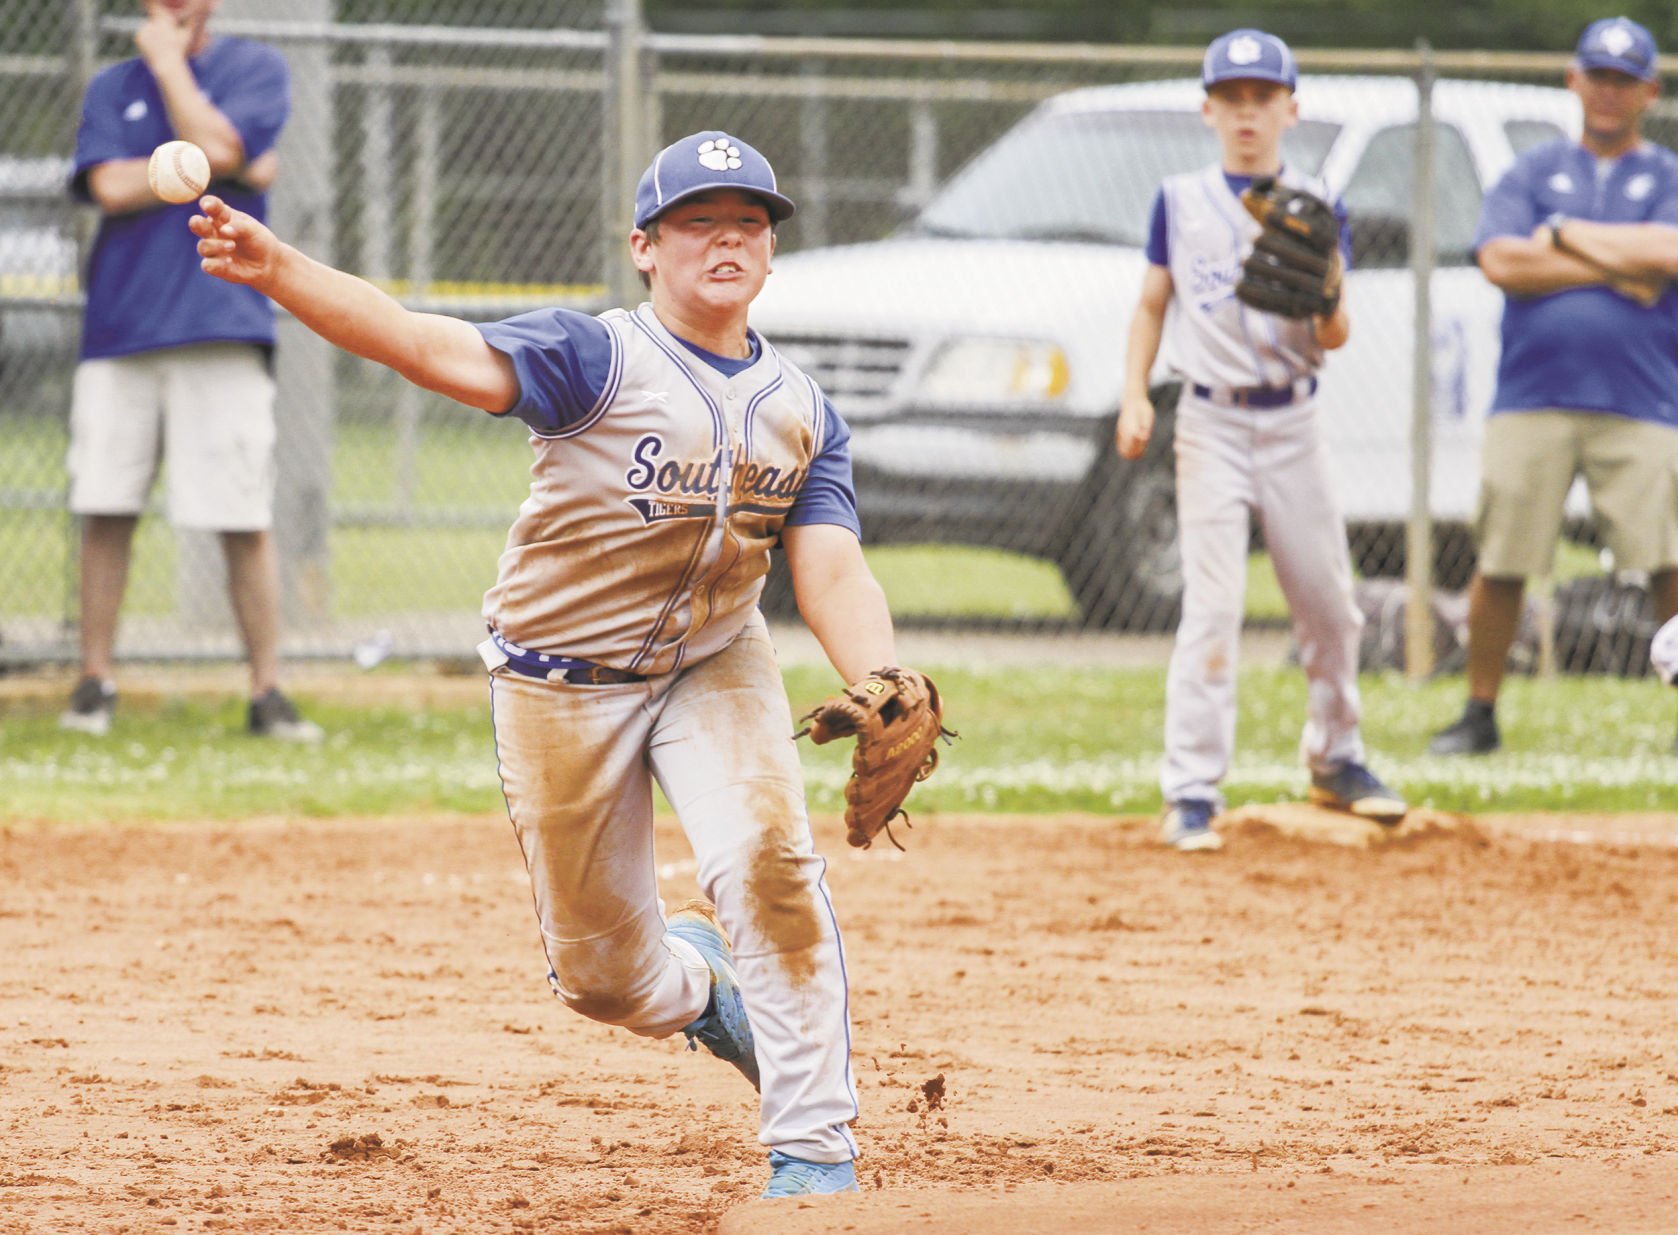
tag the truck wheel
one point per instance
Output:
(1122, 564)
(1378, 552)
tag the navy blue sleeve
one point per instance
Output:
(1344, 218)
(1510, 208)
(565, 362)
(99, 137)
(829, 494)
(1158, 247)
(254, 93)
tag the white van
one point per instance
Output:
(978, 354)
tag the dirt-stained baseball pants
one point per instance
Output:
(578, 764)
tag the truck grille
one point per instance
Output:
(858, 374)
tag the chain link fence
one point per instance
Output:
(960, 276)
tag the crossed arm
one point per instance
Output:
(120, 186)
(1635, 259)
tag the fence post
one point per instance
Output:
(306, 410)
(81, 61)
(1418, 540)
(626, 145)
(817, 185)
(301, 211)
(923, 156)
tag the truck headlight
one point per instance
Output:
(978, 370)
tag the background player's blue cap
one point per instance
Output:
(1620, 44)
(701, 161)
(1249, 54)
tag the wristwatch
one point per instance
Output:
(1554, 223)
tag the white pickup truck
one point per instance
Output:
(978, 354)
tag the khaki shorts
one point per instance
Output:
(208, 409)
(1528, 463)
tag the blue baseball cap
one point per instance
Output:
(1251, 55)
(702, 161)
(1620, 44)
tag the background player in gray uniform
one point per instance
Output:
(1246, 443)
(673, 447)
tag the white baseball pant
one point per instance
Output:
(1234, 464)
(578, 765)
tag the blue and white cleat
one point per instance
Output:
(791, 1176)
(723, 1026)
(1353, 788)
(1187, 827)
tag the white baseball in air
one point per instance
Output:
(179, 172)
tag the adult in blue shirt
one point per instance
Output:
(1583, 239)
(172, 361)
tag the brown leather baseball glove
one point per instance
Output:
(1294, 269)
(897, 718)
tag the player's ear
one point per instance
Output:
(641, 250)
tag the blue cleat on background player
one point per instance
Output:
(791, 1176)
(1353, 788)
(723, 1027)
(1187, 827)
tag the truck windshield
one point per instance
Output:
(1088, 176)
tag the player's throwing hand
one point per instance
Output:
(233, 245)
(1135, 428)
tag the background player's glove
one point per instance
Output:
(897, 718)
(1295, 268)
(1663, 652)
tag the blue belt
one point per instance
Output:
(568, 669)
(1257, 396)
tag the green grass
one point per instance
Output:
(1080, 739)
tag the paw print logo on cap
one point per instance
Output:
(1245, 50)
(1616, 40)
(720, 155)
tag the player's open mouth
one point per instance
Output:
(728, 268)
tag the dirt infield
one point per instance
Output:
(1059, 1026)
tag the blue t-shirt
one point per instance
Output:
(1158, 247)
(563, 360)
(1586, 348)
(144, 286)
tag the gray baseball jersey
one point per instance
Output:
(1247, 446)
(679, 478)
(1212, 337)
(662, 477)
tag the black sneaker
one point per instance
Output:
(1474, 733)
(91, 705)
(272, 715)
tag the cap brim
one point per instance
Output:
(1630, 68)
(1275, 79)
(779, 207)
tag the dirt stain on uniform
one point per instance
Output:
(780, 899)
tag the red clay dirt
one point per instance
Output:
(1059, 1026)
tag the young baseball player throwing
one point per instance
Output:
(1256, 305)
(673, 446)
